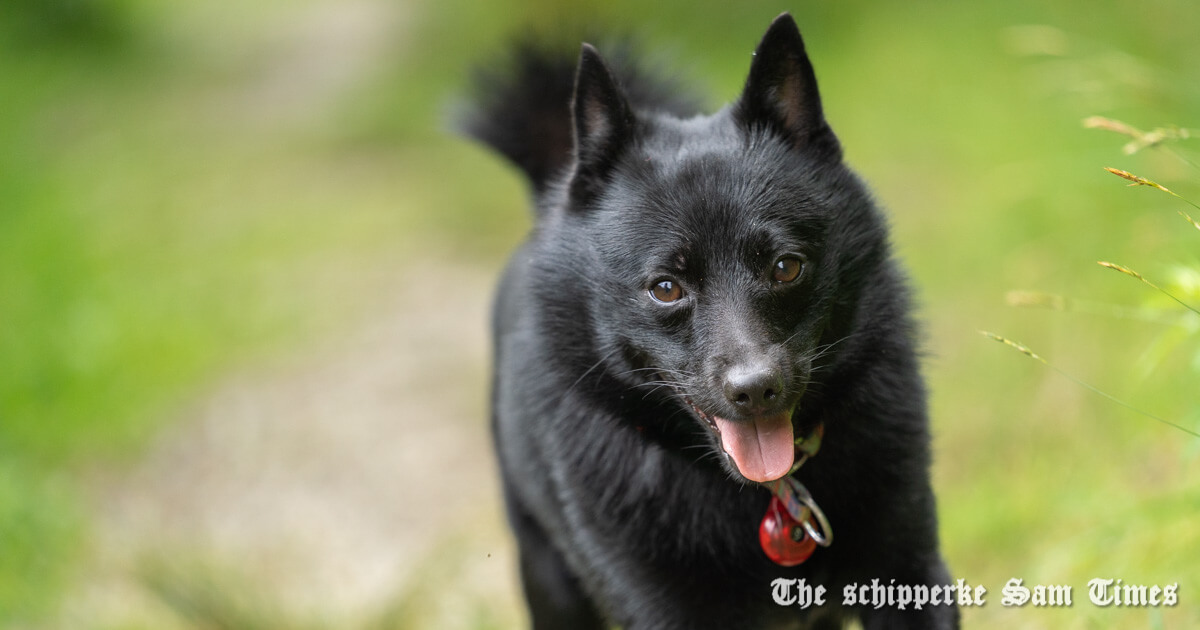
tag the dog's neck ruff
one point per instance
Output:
(794, 525)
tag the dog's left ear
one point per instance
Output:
(604, 123)
(781, 91)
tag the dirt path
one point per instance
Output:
(352, 479)
(330, 487)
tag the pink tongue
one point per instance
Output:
(762, 450)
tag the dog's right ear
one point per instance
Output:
(604, 124)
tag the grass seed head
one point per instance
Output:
(1115, 126)
(1036, 298)
(1012, 344)
(1125, 270)
(1136, 179)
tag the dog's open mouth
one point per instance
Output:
(763, 448)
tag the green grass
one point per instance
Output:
(156, 229)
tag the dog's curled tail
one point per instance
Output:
(522, 108)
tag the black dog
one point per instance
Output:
(703, 301)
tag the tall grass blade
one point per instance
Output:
(1033, 355)
(1155, 138)
(1063, 304)
(1133, 274)
(1142, 181)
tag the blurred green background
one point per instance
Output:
(193, 191)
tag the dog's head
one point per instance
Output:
(731, 249)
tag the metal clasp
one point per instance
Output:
(799, 503)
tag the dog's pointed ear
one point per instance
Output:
(781, 91)
(604, 123)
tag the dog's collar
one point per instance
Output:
(807, 446)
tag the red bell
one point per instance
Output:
(783, 539)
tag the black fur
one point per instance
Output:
(625, 507)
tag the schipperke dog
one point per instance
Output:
(705, 303)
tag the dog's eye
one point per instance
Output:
(666, 291)
(787, 269)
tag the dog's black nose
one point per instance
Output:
(753, 388)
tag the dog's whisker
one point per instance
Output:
(606, 356)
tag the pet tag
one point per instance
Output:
(789, 530)
(782, 537)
